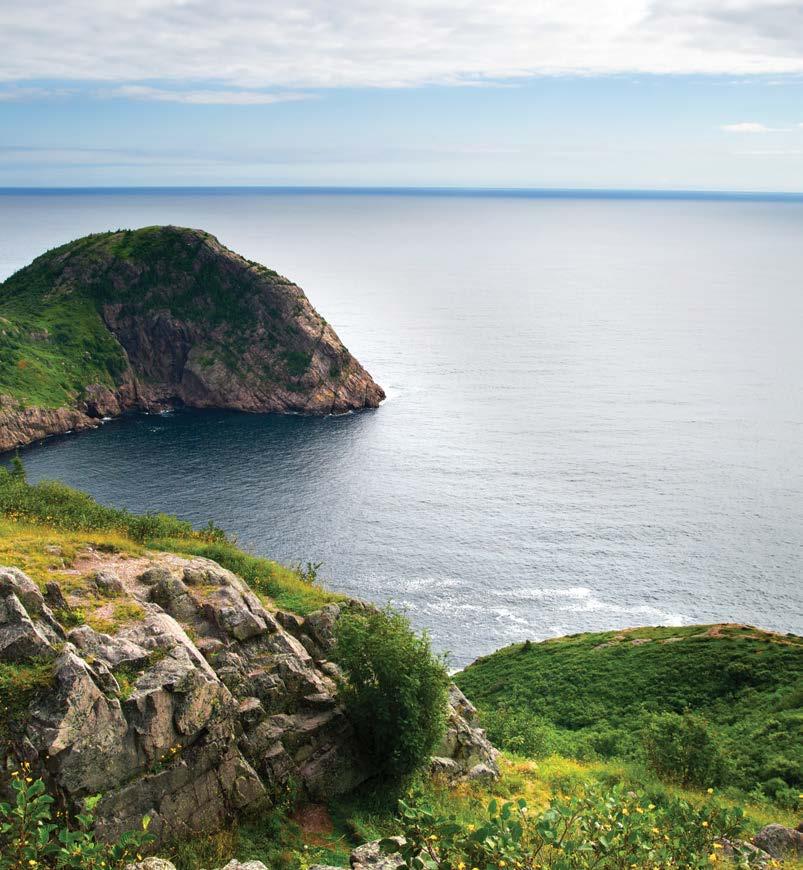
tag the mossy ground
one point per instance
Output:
(45, 527)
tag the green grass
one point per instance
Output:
(39, 517)
(53, 338)
(593, 695)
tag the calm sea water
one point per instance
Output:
(595, 413)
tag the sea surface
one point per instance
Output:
(594, 414)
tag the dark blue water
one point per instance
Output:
(595, 414)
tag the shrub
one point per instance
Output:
(681, 748)
(395, 689)
(597, 828)
(29, 837)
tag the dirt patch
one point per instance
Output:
(315, 823)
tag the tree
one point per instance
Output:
(395, 689)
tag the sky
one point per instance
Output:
(644, 94)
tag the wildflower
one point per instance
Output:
(639, 810)
(717, 845)
(655, 831)
(432, 837)
(705, 824)
(713, 858)
(710, 791)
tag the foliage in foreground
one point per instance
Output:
(65, 510)
(596, 828)
(30, 838)
(395, 689)
(698, 705)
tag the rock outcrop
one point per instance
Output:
(780, 842)
(157, 318)
(203, 706)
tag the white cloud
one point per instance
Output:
(207, 97)
(750, 127)
(253, 44)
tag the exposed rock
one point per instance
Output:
(28, 629)
(464, 751)
(780, 842)
(151, 864)
(371, 856)
(55, 597)
(207, 705)
(108, 583)
(133, 286)
(246, 865)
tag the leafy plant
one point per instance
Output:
(681, 748)
(596, 828)
(395, 689)
(30, 838)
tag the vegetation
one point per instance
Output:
(37, 520)
(698, 705)
(54, 341)
(395, 690)
(594, 828)
(30, 838)
(20, 685)
(647, 747)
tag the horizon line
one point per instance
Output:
(446, 190)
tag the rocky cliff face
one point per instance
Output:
(201, 705)
(159, 317)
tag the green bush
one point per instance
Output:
(29, 838)
(682, 749)
(395, 689)
(596, 828)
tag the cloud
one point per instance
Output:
(751, 127)
(13, 93)
(206, 97)
(200, 46)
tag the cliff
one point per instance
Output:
(160, 317)
(188, 701)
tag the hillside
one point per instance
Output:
(624, 695)
(148, 669)
(158, 317)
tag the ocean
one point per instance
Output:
(594, 415)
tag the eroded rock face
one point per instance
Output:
(172, 302)
(204, 707)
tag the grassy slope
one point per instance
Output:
(38, 520)
(53, 344)
(591, 695)
(43, 528)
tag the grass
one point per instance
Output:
(44, 526)
(593, 695)
(53, 338)
(367, 814)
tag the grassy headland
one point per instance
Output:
(718, 705)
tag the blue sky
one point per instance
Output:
(632, 93)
